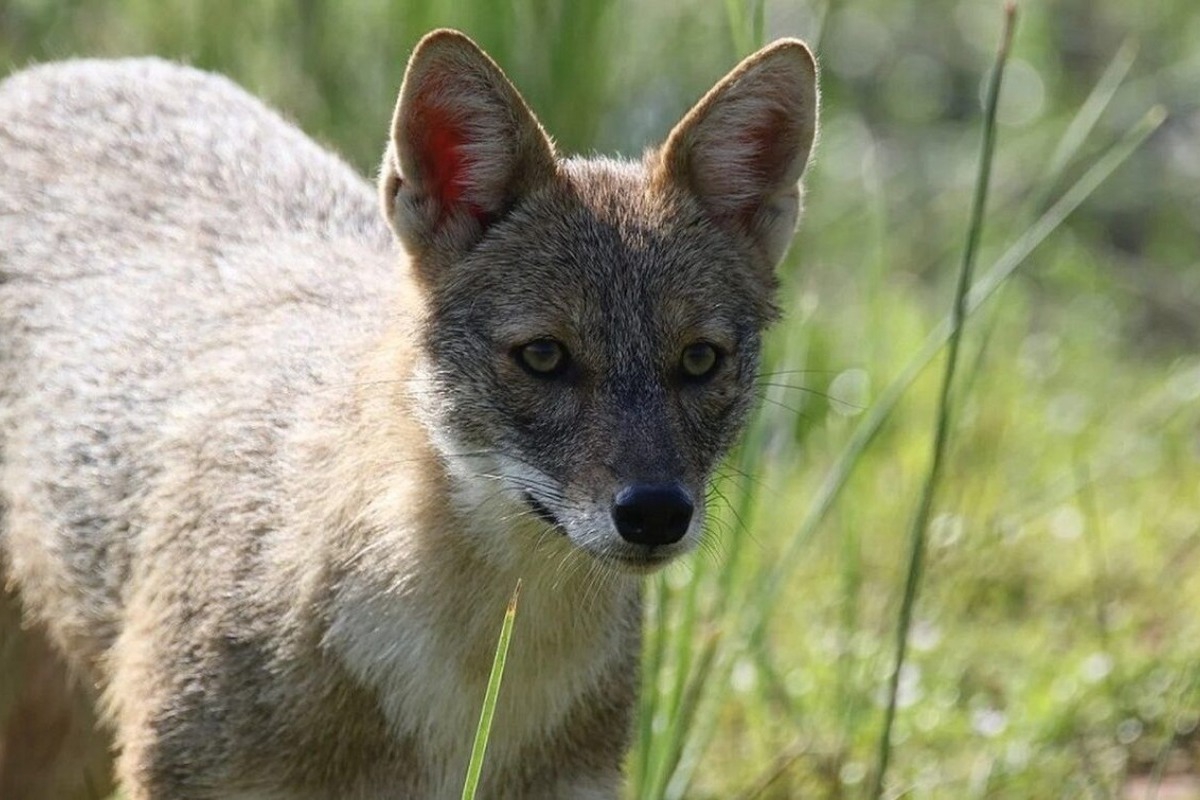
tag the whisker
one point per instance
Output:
(744, 477)
(783, 405)
(797, 372)
(740, 522)
(815, 392)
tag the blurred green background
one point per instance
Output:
(1055, 650)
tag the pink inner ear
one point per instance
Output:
(444, 165)
(771, 142)
(444, 158)
(764, 160)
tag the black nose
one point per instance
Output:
(652, 514)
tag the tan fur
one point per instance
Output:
(264, 495)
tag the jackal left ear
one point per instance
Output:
(464, 147)
(742, 149)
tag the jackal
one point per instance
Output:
(271, 462)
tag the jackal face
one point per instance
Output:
(592, 327)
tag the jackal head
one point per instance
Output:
(592, 326)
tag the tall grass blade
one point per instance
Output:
(484, 729)
(1084, 121)
(650, 701)
(738, 28)
(920, 522)
(747, 21)
(758, 23)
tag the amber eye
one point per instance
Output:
(699, 360)
(543, 357)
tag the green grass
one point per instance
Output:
(1055, 648)
(918, 535)
(490, 697)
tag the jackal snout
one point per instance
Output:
(652, 514)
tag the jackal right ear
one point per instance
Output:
(464, 147)
(742, 149)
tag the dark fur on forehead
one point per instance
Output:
(671, 237)
(603, 221)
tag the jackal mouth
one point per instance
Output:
(643, 563)
(543, 513)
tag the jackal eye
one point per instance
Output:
(699, 360)
(545, 358)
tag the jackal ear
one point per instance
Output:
(742, 149)
(464, 146)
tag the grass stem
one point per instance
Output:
(484, 729)
(920, 523)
